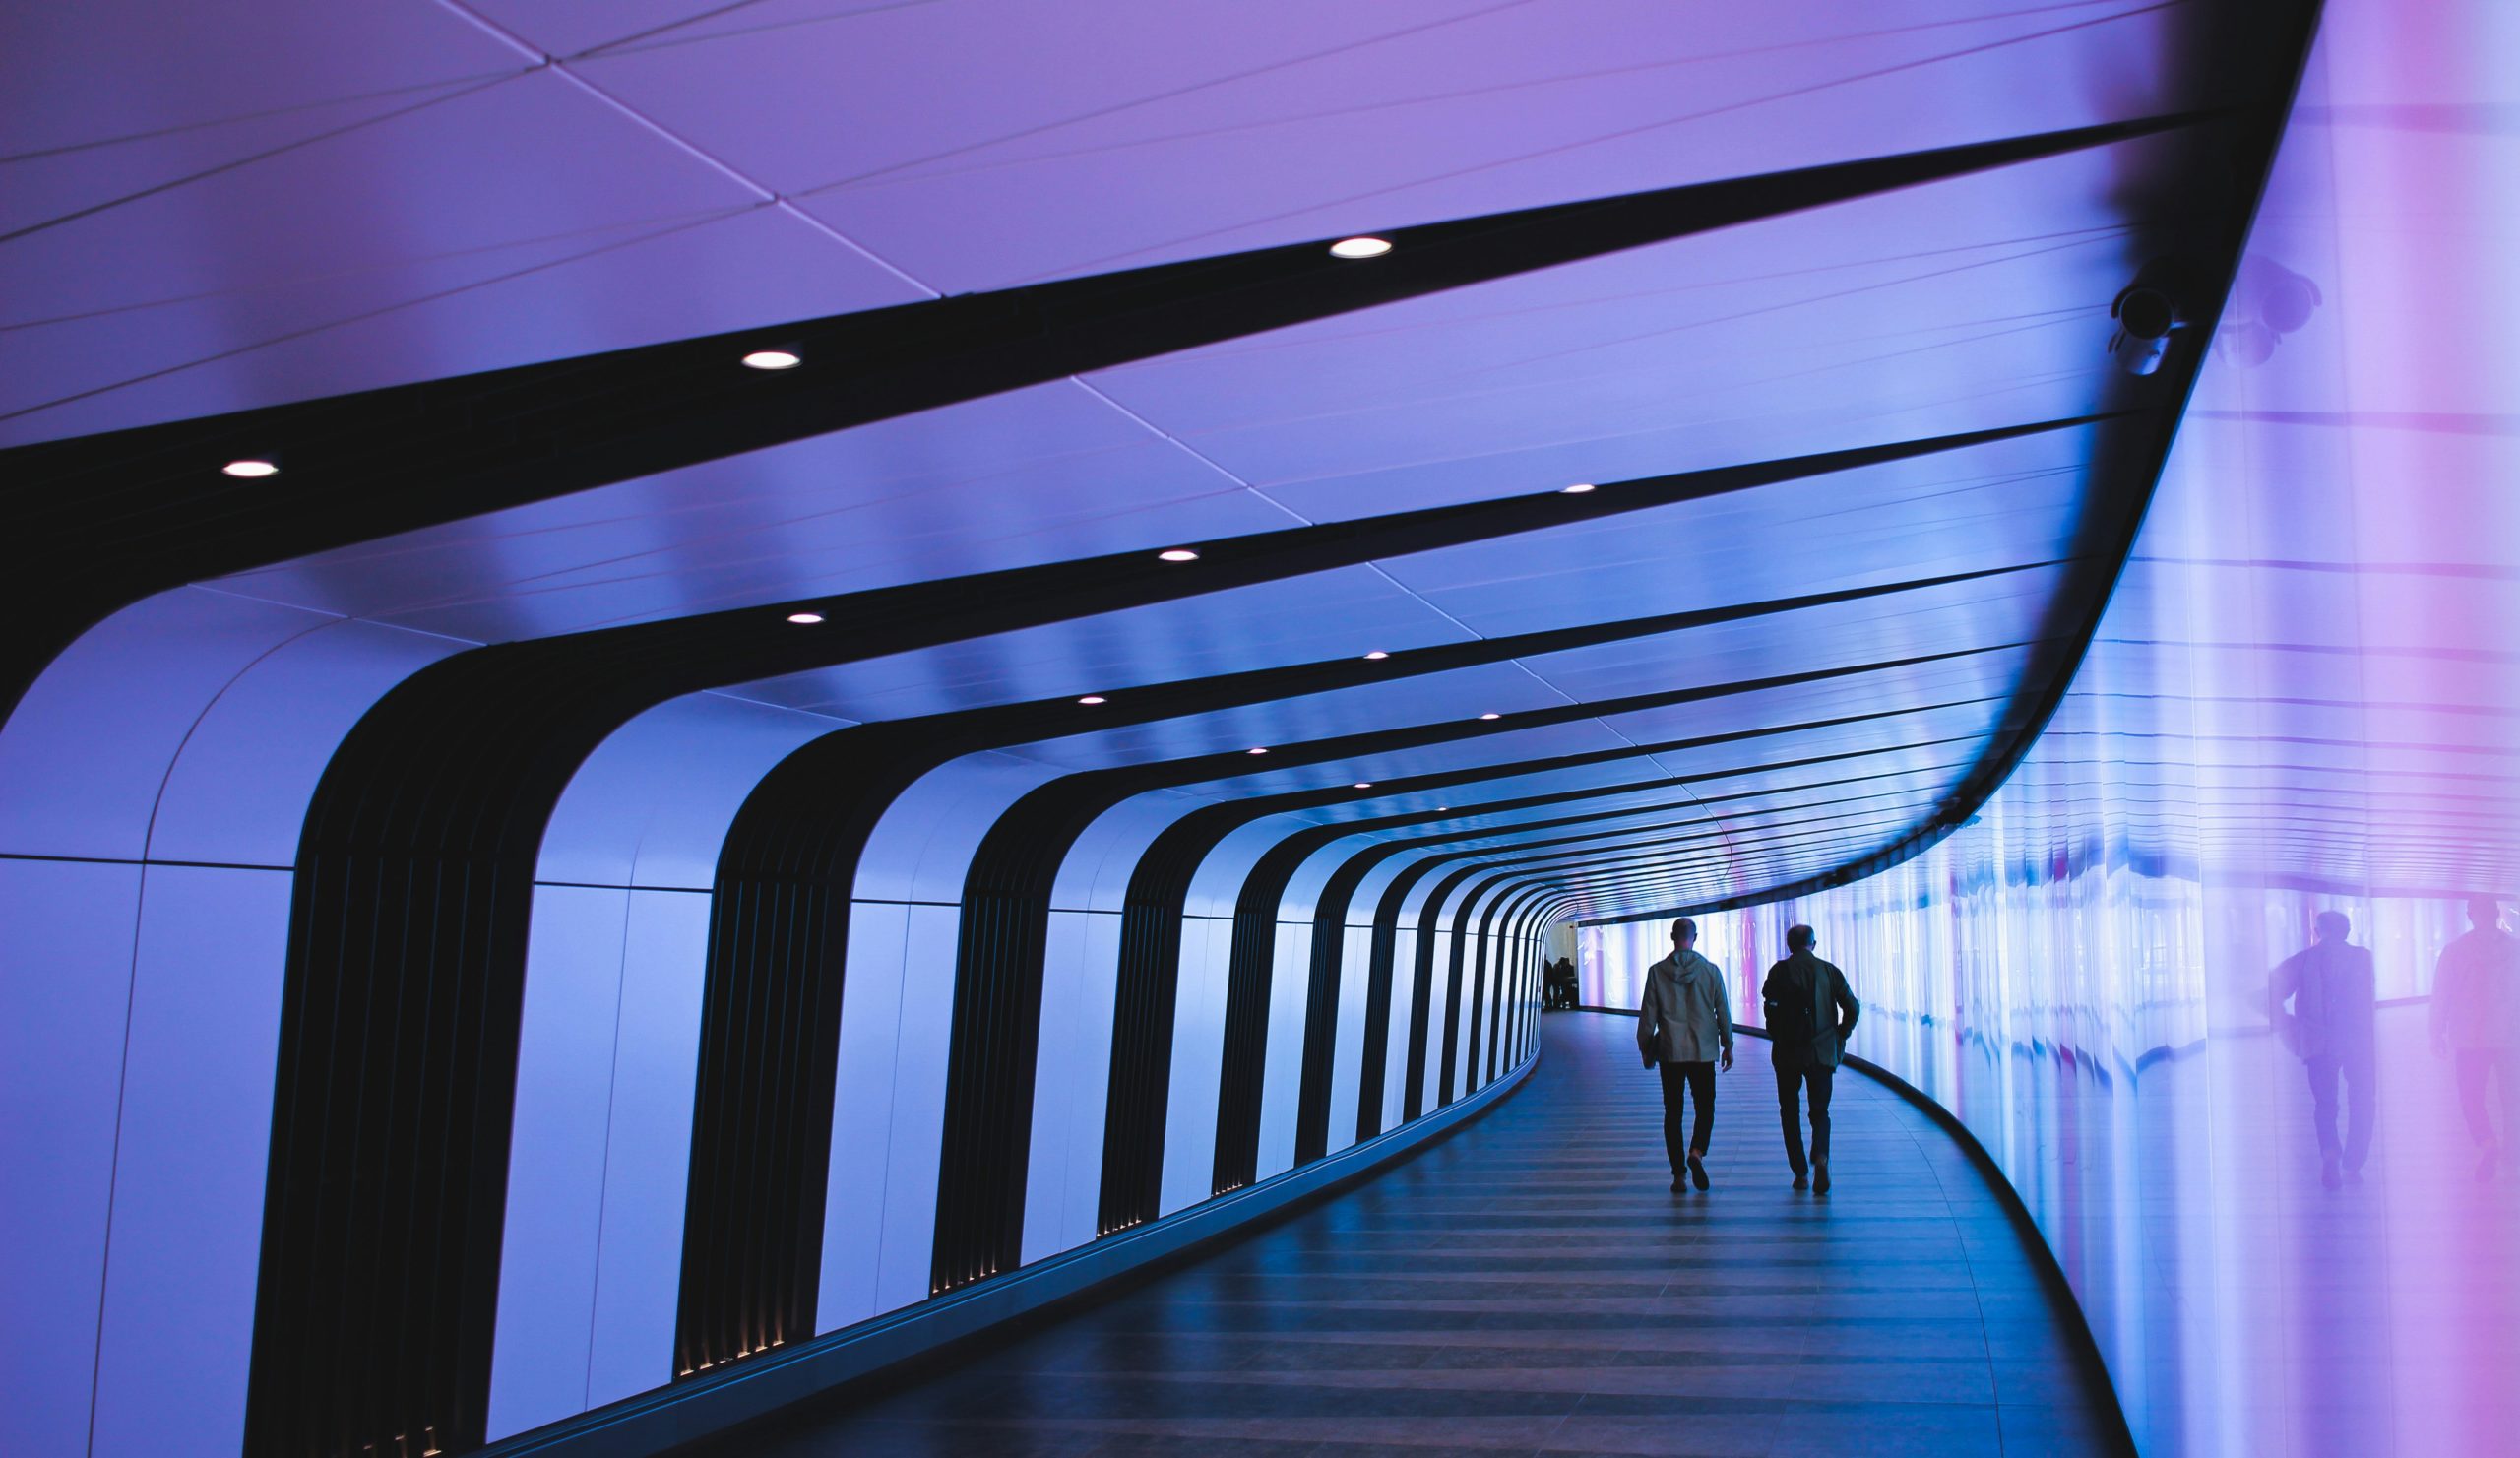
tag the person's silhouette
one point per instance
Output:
(1810, 1010)
(1561, 984)
(1682, 1023)
(2475, 1000)
(2329, 1025)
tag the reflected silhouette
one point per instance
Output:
(2329, 984)
(2475, 1000)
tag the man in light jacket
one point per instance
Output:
(1809, 1011)
(1683, 1023)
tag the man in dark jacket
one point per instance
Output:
(2329, 1025)
(1810, 1010)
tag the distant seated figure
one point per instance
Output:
(1560, 990)
(2475, 1000)
(2330, 986)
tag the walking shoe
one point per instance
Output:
(1697, 1170)
(1802, 1181)
(1819, 1177)
(1679, 1185)
(2331, 1173)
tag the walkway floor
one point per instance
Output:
(1532, 1286)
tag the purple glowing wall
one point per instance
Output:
(2302, 699)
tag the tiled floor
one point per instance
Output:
(1532, 1286)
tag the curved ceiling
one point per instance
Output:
(1816, 302)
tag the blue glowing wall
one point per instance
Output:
(2301, 700)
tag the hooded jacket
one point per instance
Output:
(1685, 1016)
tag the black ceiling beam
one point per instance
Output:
(107, 520)
(2265, 49)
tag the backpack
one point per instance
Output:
(1791, 1024)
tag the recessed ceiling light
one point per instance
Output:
(1577, 489)
(1361, 249)
(772, 359)
(804, 620)
(1491, 716)
(1255, 749)
(251, 469)
(1364, 785)
(1091, 699)
(1377, 655)
(1177, 554)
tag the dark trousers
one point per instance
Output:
(1689, 1080)
(2473, 1067)
(1790, 1084)
(2355, 1069)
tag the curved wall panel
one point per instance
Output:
(150, 783)
(601, 1152)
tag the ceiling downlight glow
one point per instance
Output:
(772, 359)
(1255, 749)
(804, 620)
(1577, 489)
(1360, 247)
(1362, 784)
(1176, 554)
(1491, 716)
(1092, 699)
(1376, 656)
(252, 468)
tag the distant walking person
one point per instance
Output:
(1810, 1010)
(2476, 1001)
(2329, 1025)
(1683, 1023)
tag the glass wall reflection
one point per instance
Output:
(2275, 1167)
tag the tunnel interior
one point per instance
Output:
(704, 698)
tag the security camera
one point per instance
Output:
(2148, 312)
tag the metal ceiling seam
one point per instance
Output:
(1176, 94)
(60, 220)
(560, 67)
(666, 230)
(1132, 415)
(152, 134)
